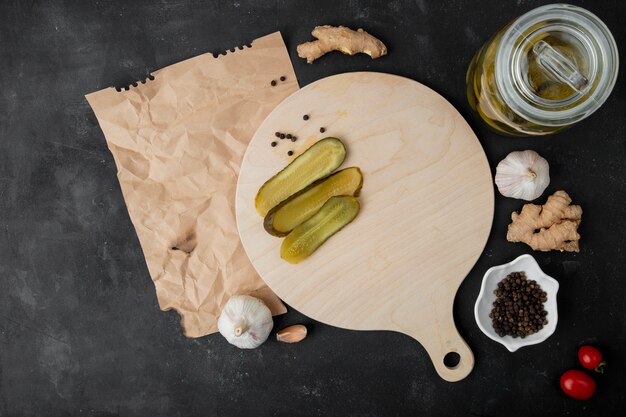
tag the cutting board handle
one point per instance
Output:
(451, 356)
(438, 334)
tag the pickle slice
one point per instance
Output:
(308, 236)
(316, 162)
(283, 218)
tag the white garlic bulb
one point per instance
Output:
(523, 174)
(245, 321)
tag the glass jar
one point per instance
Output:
(543, 72)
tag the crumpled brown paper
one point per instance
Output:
(178, 141)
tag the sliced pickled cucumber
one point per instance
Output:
(316, 162)
(308, 236)
(283, 218)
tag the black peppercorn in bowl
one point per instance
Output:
(516, 305)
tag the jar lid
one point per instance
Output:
(556, 64)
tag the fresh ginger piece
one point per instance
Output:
(316, 162)
(343, 39)
(283, 218)
(552, 226)
(334, 215)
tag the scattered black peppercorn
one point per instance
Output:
(293, 139)
(273, 144)
(277, 134)
(282, 136)
(283, 78)
(305, 117)
(288, 135)
(290, 153)
(322, 129)
(518, 310)
(273, 83)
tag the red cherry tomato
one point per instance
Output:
(578, 384)
(591, 358)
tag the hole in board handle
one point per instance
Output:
(451, 360)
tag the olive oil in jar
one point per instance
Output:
(543, 72)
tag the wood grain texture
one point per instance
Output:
(426, 210)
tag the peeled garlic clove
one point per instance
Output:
(245, 321)
(291, 334)
(523, 174)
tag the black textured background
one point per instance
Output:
(81, 332)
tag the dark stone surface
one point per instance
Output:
(81, 332)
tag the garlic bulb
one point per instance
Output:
(245, 321)
(524, 175)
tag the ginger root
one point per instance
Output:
(548, 227)
(340, 38)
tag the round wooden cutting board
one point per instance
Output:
(426, 210)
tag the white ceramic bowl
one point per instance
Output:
(485, 300)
